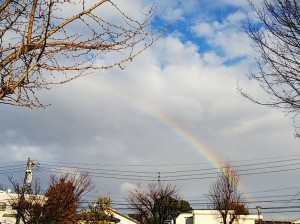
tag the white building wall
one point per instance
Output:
(205, 217)
(185, 218)
(124, 219)
(211, 217)
(7, 216)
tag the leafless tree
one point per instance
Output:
(60, 202)
(225, 197)
(27, 201)
(276, 37)
(159, 203)
(47, 42)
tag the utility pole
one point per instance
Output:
(258, 208)
(31, 164)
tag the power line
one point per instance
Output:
(170, 164)
(271, 166)
(182, 175)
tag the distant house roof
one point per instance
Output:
(124, 216)
(274, 222)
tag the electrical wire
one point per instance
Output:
(264, 167)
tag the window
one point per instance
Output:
(2, 206)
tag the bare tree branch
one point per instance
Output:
(276, 38)
(39, 43)
(159, 203)
(225, 197)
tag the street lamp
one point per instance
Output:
(258, 208)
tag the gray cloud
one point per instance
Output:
(145, 114)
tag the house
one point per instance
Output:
(124, 219)
(279, 221)
(275, 222)
(296, 221)
(212, 217)
(114, 217)
(7, 214)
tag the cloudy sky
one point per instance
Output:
(172, 114)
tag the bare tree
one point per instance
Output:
(47, 42)
(27, 201)
(276, 37)
(60, 202)
(160, 203)
(225, 197)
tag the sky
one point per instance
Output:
(173, 114)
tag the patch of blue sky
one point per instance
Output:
(234, 61)
(221, 13)
(207, 13)
(185, 34)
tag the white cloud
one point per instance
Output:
(236, 17)
(225, 38)
(120, 117)
(125, 188)
(202, 29)
(213, 59)
(178, 9)
(238, 3)
(20, 152)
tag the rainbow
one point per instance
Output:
(197, 146)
